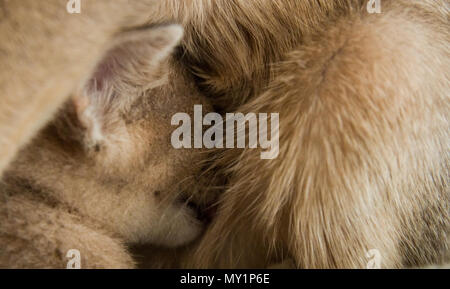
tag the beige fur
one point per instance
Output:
(364, 133)
(363, 102)
(46, 52)
(231, 44)
(104, 173)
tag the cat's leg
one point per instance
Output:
(362, 172)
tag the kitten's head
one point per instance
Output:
(108, 154)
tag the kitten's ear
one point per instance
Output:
(134, 56)
(131, 65)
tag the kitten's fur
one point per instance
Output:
(104, 173)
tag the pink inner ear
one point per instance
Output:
(104, 73)
(106, 70)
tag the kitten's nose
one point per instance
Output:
(204, 213)
(208, 213)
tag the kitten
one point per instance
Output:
(103, 172)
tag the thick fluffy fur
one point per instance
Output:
(364, 132)
(363, 101)
(231, 44)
